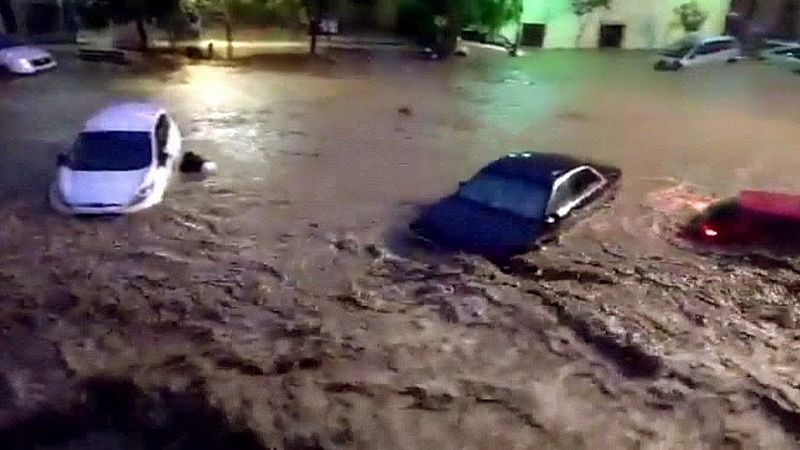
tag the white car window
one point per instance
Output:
(710, 48)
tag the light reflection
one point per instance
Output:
(211, 85)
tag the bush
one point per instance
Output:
(691, 17)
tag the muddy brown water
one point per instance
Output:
(276, 296)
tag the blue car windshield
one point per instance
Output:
(7, 41)
(513, 195)
(112, 151)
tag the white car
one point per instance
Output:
(121, 163)
(786, 58)
(698, 51)
(23, 59)
(768, 49)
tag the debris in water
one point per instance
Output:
(194, 163)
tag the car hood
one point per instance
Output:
(24, 52)
(461, 224)
(100, 188)
(670, 56)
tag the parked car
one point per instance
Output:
(699, 51)
(512, 203)
(770, 46)
(751, 218)
(122, 162)
(786, 58)
(18, 58)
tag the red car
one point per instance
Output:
(751, 218)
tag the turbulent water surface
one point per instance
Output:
(277, 305)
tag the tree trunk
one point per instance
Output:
(581, 32)
(143, 39)
(313, 28)
(229, 36)
(7, 14)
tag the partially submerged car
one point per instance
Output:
(751, 218)
(768, 49)
(122, 162)
(21, 59)
(699, 51)
(513, 203)
(787, 58)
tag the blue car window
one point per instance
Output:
(512, 195)
(112, 151)
(7, 41)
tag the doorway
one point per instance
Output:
(533, 34)
(611, 36)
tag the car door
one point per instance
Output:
(174, 143)
(165, 153)
(706, 53)
(732, 50)
(791, 60)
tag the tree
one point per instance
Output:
(254, 12)
(691, 17)
(450, 16)
(124, 11)
(494, 14)
(582, 9)
(7, 14)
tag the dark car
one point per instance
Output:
(751, 218)
(509, 205)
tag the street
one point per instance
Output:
(283, 287)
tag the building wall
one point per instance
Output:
(648, 23)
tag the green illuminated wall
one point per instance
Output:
(649, 23)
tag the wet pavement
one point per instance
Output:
(281, 294)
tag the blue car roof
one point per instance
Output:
(542, 168)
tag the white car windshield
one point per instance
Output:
(112, 151)
(513, 195)
(7, 41)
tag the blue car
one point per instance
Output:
(512, 203)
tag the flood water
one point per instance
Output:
(316, 162)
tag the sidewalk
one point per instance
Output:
(249, 42)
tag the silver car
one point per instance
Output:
(699, 51)
(787, 58)
(770, 46)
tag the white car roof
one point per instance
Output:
(782, 42)
(716, 39)
(125, 117)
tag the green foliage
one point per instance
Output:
(417, 16)
(583, 7)
(254, 12)
(690, 16)
(494, 14)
